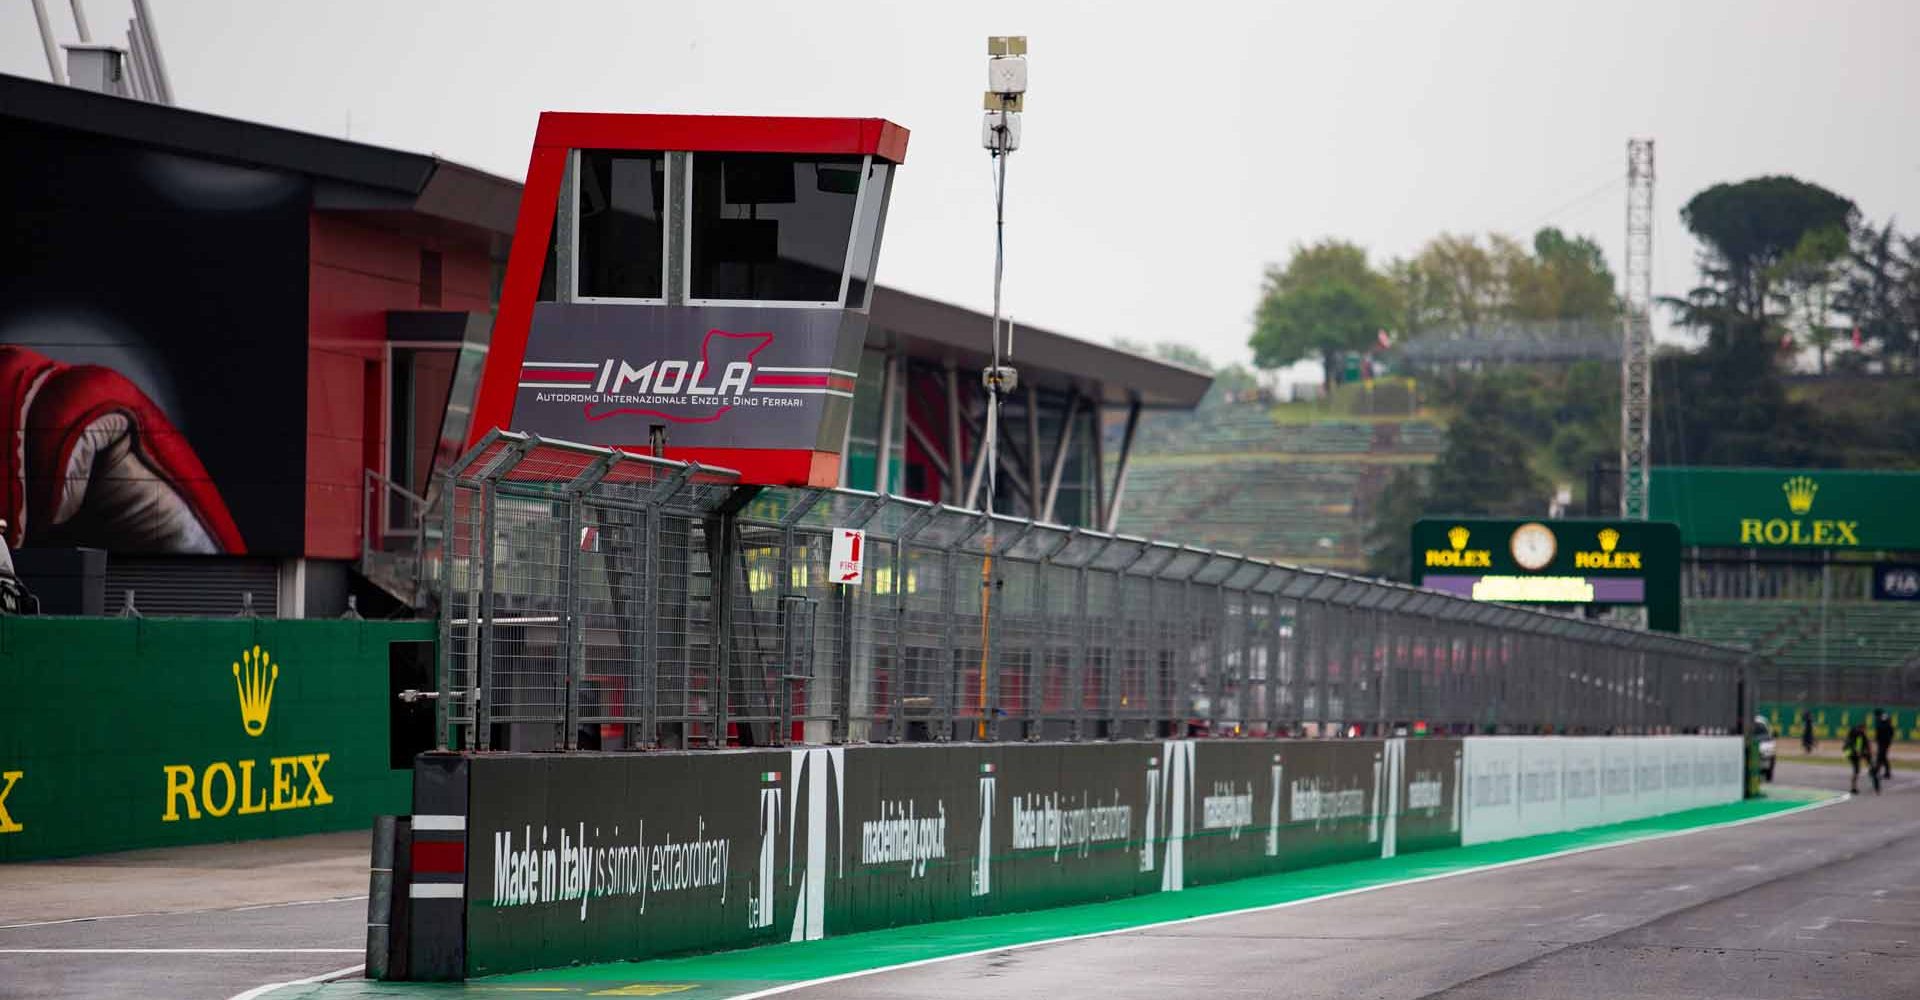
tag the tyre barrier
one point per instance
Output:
(524, 861)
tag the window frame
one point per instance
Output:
(573, 230)
(846, 265)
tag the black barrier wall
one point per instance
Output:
(587, 858)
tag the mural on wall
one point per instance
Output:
(155, 381)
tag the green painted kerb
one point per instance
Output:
(119, 733)
(731, 973)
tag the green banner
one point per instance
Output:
(129, 733)
(1790, 508)
(1831, 722)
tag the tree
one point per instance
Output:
(1464, 283)
(1750, 226)
(1484, 468)
(1389, 542)
(1326, 300)
(1805, 281)
(1565, 279)
(1881, 293)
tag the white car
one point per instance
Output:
(1764, 733)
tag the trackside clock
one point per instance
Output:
(1533, 545)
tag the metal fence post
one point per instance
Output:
(482, 737)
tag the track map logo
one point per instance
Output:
(689, 390)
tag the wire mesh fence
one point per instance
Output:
(591, 599)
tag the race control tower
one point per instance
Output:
(693, 286)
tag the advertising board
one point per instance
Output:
(1789, 508)
(118, 734)
(1520, 786)
(603, 857)
(1564, 561)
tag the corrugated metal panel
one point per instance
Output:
(195, 586)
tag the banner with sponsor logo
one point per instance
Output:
(1563, 561)
(584, 858)
(1520, 786)
(118, 734)
(1789, 508)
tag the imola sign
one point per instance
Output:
(695, 286)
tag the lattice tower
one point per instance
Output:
(1636, 382)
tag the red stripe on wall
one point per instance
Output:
(773, 380)
(439, 857)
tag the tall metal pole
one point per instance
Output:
(46, 41)
(1636, 383)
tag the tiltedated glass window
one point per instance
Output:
(771, 227)
(866, 250)
(621, 233)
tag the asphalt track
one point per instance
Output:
(191, 922)
(1821, 903)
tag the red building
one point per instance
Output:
(220, 339)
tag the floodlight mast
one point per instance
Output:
(1000, 134)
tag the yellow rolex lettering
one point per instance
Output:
(179, 789)
(1798, 538)
(7, 823)
(1583, 560)
(284, 769)
(312, 763)
(1749, 530)
(1630, 560)
(206, 788)
(1845, 528)
(248, 804)
(1776, 532)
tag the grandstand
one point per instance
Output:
(1232, 476)
(1872, 650)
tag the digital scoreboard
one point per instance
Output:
(1586, 562)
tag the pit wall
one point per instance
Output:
(122, 733)
(524, 861)
(1521, 786)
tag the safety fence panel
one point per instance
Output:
(593, 599)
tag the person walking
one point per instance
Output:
(1806, 731)
(1882, 742)
(1858, 752)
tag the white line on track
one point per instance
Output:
(260, 991)
(175, 913)
(825, 980)
(183, 951)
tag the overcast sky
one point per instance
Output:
(1171, 149)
